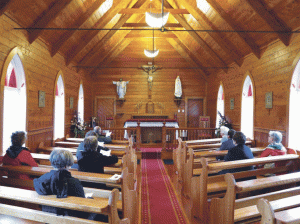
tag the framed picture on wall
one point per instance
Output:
(231, 103)
(269, 99)
(71, 102)
(42, 96)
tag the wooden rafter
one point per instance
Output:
(78, 23)
(113, 53)
(198, 39)
(4, 5)
(157, 35)
(219, 38)
(272, 20)
(46, 17)
(143, 11)
(96, 49)
(247, 40)
(105, 19)
(187, 55)
(139, 25)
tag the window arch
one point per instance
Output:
(14, 114)
(294, 109)
(81, 104)
(247, 108)
(220, 105)
(59, 109)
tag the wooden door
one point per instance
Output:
(104, 107)
(194, 111)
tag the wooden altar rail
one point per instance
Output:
(169, 135)
(186, 134)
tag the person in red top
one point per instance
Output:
(16, 155)
(275, 148)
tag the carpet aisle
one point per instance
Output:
(159, 201)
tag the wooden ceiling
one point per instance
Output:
(217, 47)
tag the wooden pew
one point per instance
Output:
(76, 144)
(43, 159)
(100, 205)
(203, 141)
(192, 167)
(82, 176)
(48, 149)
(230, 210)
(205, 186)
(216, 145)
(117, 142)
(269, 216)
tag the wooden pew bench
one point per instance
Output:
(193, 166)
(288, 216)
(116, 142)
(231, 210)
(43, 159)
(99, 205)
(48, 149)
(205, 186)
(65, 144)
(82, 176)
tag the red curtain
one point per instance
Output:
(56, 92)
(13, 79)
(250, 91)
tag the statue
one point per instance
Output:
(178, 89)
(121, 88)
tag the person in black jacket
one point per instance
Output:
(239, 152)
(92, 161)
(59, 182)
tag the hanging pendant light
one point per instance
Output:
(156, 20)
(151, 54)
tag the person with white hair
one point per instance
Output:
(224, 133)
(275, 148)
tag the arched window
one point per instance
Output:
(294, 119)
(59, 115)
(80, 105)
(247, 108)
(14, 106)
(220, 105)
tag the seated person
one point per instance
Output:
(16, 155)
(239, 152)
(101, 138)
(227, 145)
(275, 148)
(81, 147)
(224, 133)
(92, 161)
(59, 182)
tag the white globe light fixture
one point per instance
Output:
(156, 20)
(151, 54)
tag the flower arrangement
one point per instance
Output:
(78, 126)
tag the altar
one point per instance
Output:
(151, 129)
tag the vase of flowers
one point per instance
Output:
(223, 122)
(77, 126)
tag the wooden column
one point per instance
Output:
(164, 136)
(138, 135)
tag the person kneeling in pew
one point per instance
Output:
(16, 155)
(59, 182)
(239, 152)
(92, 161)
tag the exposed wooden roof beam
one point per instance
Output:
(187, 55)
(46, 17)
(219, 38)
(272, 20)
(247, 40)
(113, 53)
(157, 35)
(143, 11)
(96, 49)
(168, 25)
(78, 23)
(4, 5)
(105, 19)
(197, 38)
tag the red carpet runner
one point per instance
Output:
(159, 202)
